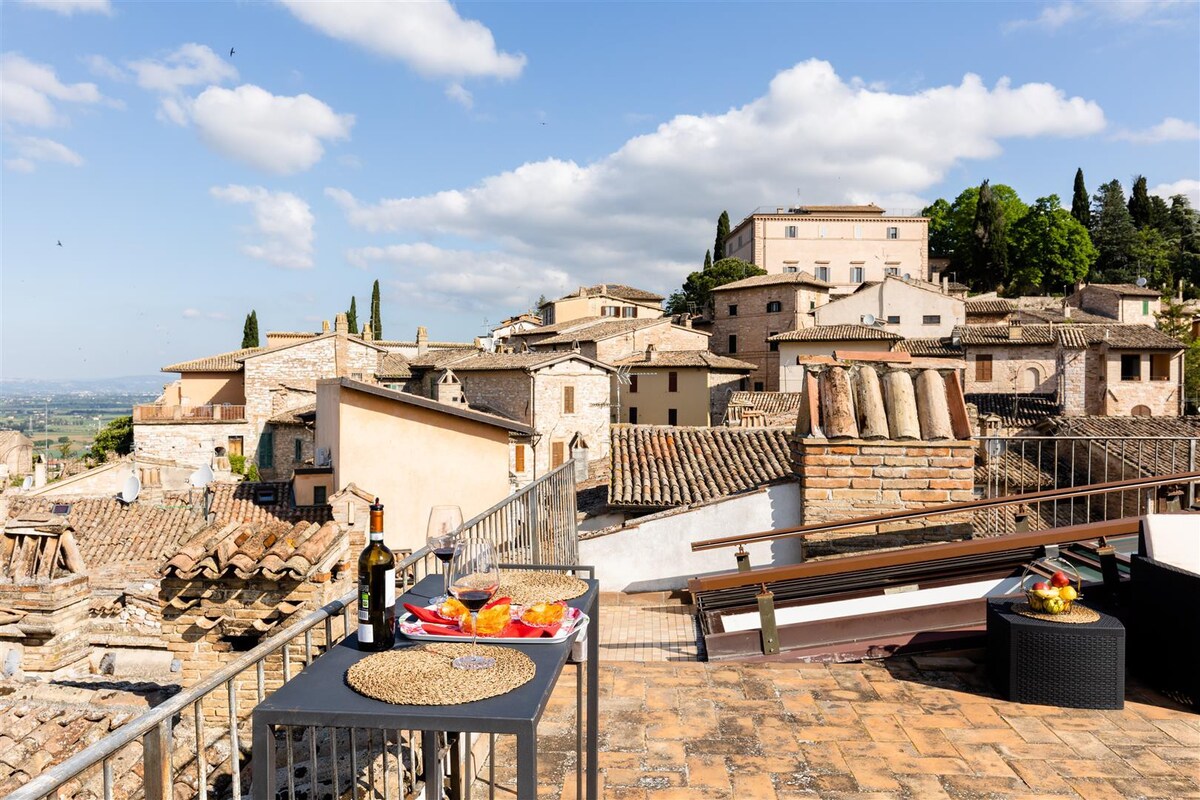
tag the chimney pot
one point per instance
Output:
(341, 324)
(422, 340)
(324, 326)
(1015, 332)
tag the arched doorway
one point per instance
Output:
(1141, 411)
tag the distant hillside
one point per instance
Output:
(130, 384)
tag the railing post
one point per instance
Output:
(156, 761)
(1191, 487)
(531, 514)
(766, 616)
(743, 559)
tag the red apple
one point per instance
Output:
(1040, 585)
(1059, 579)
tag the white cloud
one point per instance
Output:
(428, 36)
(1170, 129)
(1188, 187)
(283, 220)
(273, 133)
(28, 91)
(460, 95)
(645, 213)
(1120, 12)
(29, 150)
(195, 313)
(190, 65)
(69, 7)
(101, 66)
(462, 279)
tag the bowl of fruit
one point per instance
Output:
(1053, 595)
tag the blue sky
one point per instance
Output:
(474, 156)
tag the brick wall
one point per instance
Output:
(51, 636)
(1073, 382)
(753, 324)
(284, 450)
(852, 478)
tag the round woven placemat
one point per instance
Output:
(527, 587)
(424, 675)
(1078, 614)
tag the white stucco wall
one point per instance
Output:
(656, 555)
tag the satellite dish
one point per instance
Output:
(1141, 282)
(868, 319)
(130, 491)
(27, 484)
(907, 276)
(201, 477)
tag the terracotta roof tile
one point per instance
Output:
(275, 551)
(1125, 288)
(1015, 410)
(802, 278)
(763, 409)
(836, 333)
(1055, 314)
(988, 306)
(614, 290)
(393, 366)
(435, 359)
(602, 328)
(685, 358)
(222, 362)
(661, 466)
(293, 416)
(931, 348)
(1002, 334)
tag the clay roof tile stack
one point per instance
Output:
(656, 466)
(273, 551)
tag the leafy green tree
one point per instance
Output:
(1191, 377)
(1050, 249)
(115, 437)
(376, 321)
(1139, 203)
(64, 439)
(696, 294)
(1184, 225)
(1081, 208)
(64, 450)
(941, 228)
(1176, 321)
(1151, 254)
(352, 315)
(1114, 235)
(722, 235)
(250, 330)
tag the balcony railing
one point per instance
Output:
(154, 412)
(535, 525)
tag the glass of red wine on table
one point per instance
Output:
(474, 579)
(441, 536)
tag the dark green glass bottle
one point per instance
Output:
(376, 589)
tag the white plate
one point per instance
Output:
(574, 620)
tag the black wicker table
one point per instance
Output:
(1055, 663)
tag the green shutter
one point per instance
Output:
(266, 450)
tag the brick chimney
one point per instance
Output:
(324, 326)
(341, 324)
(422, 340)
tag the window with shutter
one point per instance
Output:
(520, 458)
(297, 450)
(266, 450)
(568, 399)
(556, 454)
(983, 368)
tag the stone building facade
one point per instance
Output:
(1122, 302)
(609, 300)
(675, 387)
(843, 245)
(909, 308)
(747, 313)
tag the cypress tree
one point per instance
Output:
(1081, 207)
(352, 316)
(247, 341)
(718, 251)
(376, 322)
(252, 323)
(989, 246)
(1114, 235)
(707, 260)
(1139, 203)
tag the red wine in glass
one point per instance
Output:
(474, 579)
(475, 599)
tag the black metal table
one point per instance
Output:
(1054, 663)
(320, 697)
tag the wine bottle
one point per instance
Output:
(376, 589)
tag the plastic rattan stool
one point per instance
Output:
(1055, 664)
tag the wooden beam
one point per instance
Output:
(872, 355)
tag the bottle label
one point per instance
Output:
(364, 601)
(366, 635)
(389, 591)
(375, 536)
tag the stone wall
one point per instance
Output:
(1010, 369)
(1118, 398)
(49, 634)
(753, 324)
(207, 623)
(190, 443)
(857, 478)
(720, 386)
(1073, 381)
(284, 451)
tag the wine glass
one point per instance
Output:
(474, 579)
(441, 535)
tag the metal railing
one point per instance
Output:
(549, 539)
(1017, 465)
(154, 412)
(535, 524)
